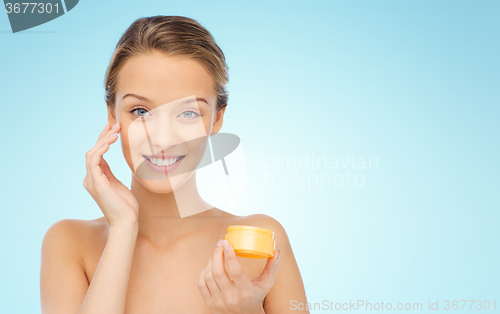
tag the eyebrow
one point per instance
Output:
(149, 101)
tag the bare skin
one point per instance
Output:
(141, 256)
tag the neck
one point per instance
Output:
(163, 217)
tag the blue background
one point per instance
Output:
(413, 84)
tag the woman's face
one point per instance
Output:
(167, 110)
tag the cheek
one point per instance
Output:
(126, 149)
(207, 123)
(124, 137)
(197, 147)
(133, 137)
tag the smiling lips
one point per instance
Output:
(163, 163)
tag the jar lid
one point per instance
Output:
(249, 228)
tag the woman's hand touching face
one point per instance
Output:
(115, 200)
(238, 295)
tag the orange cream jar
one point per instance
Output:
(251, 242)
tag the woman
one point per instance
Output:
(158, 248)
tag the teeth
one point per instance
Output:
(162, 162)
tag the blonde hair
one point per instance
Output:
(174, 36)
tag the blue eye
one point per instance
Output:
(140, 112)
(190, 114)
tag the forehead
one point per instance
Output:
(164, 78)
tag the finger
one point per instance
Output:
(105, 134)
(234, 267)
(109, 130)
(109, 137)
(95, 170)
(107, 171)
(219, 271)
(105, 144)
(107, 127)
(210, 280)
(202, 285)
(93, 159)
(266, 279)
(88, 182)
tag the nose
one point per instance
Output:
(161, 134)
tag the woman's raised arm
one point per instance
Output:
(63, 284)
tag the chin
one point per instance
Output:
(165, 186)
(158, 187)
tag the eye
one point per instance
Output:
(189, 114)
(140, 112)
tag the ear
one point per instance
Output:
(218, 121)
(111, 116)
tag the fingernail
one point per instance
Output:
(107, 124)
(279, 255)
(116, 124)
(226, 245)
(113, 134)
(219, 243)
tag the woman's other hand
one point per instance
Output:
(239, 295)
(117, 203)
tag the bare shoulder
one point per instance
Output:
(288, 284)
(267, 222)
(74, 234)
(64, 247)
(257, 220)
(260, 220)
(73, 228)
